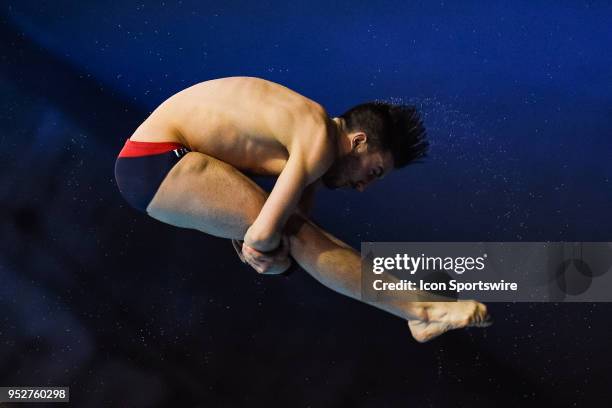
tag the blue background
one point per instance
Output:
(517, 99)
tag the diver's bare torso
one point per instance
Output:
(247, 122)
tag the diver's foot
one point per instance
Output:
(444, 316)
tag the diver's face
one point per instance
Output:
(358, 169)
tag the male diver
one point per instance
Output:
(187, 166)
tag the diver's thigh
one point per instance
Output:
(207, 194)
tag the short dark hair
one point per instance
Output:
(397, 128)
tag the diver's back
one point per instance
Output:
(216, 115)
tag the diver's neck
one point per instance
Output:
(343, 143)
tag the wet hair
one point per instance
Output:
(396, 128)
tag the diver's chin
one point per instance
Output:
(330, 183)
(330, 186)
(344, 186)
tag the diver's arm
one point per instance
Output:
(302, 168)
(304, 207)
(265, 233)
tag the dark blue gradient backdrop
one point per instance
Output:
(517, 99)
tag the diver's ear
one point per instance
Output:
(359, 139)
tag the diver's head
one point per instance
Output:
(373, 139)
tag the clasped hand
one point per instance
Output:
(269, 263)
